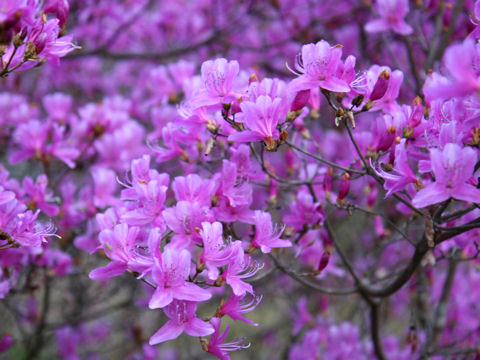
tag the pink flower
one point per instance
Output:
(59, 8)
(184, 219)
(236, 306)
(218, 81)
(215, 345)
(402, 175)
(182, 318)
(460, 61)
(193, 188)
(453, 169)
(215, 253)
(267, 236)
(39, 195)
(318, 67)
(170, 274)
(260, 119)
(392, 14)
(239, 267)
(118, 245)
(304, 212)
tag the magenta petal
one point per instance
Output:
(378, 25)
(192, 292)
(431, 194)
(113, 269)
(239, 287)
(402, 28)
(169, 331)
(302, 83)
(197, 327)
(246, 136)
(335, 84)
(160, 298)
(6, 196)
(466, 192)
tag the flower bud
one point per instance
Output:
(323, 261)
(327, 181)
(381, 85)
(300, 100)
(416, 117)
(344, 187)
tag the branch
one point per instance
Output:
(146, 55)
(375, 330)
(310, 284)
(440, 317)
(332, 164)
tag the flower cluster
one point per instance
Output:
(287, 157)
(30, 36)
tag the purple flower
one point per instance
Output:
(237, 191)
(215, 253)
(185, 219)
(318, 67)
(6, 342)
(260, 119)
(118, 245)
(267, 236)
(453, 169)
(304, 212)
(239, 267)
(460, 60)
(235, 306)
(218, 82)
(68, 342)
(59, 8)
(392, 14)
(170, 274)
(193, 188)
(182, 318)
(39, 194)
(215, 345)
(151, 197)
(38, 145)
(402, 175)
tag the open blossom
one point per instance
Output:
(193, 188)
(39, 145)
(235, 306)
(392, 14)
(215, 253)
(402, 174)
(453, 169)
(216, 345)
(39, 195)
(182, 318)
(150, 200)
(59, 8)
(460, 61)
(170, 274)
(218, 78)
(20, 226)
(304, 212)
(183, 219)
(260, 119)
(318, 67)
(118, 244)
(240, 267)
(267, 236)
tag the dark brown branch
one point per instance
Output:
(440, 317)
(375, 331)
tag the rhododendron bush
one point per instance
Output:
(285, 179)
